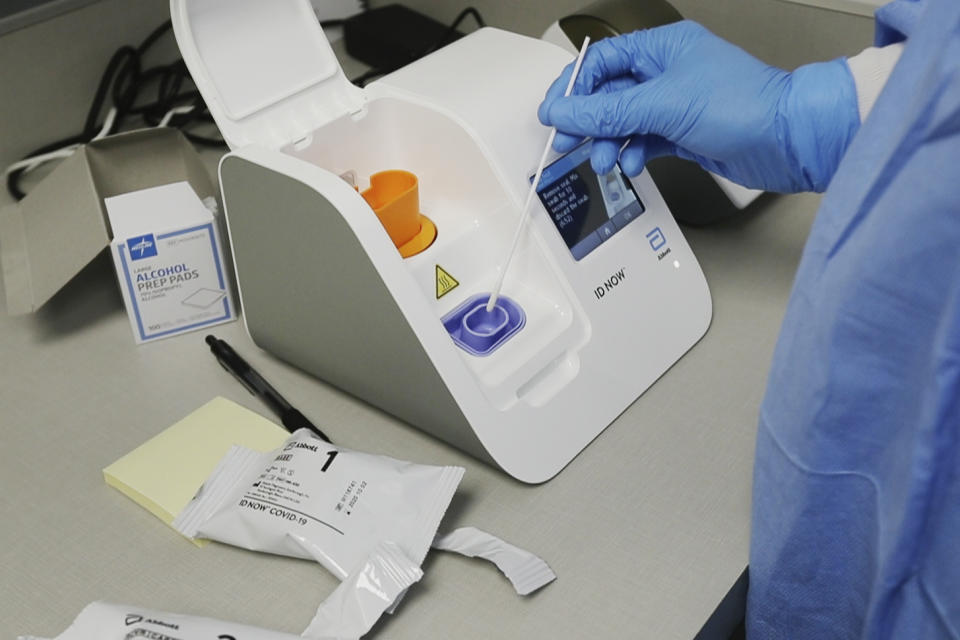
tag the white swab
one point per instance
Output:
(491, 303)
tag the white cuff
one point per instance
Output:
(870, 70)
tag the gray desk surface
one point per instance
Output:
(647, 529)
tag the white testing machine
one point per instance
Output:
(603, 296)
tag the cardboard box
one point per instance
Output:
(166, 250)
(61, 226)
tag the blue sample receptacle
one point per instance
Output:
(481, 332)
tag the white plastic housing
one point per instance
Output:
(464, 121)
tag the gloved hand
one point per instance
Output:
(680, 90)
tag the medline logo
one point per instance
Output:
(142, 247)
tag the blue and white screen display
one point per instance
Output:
(587, 209)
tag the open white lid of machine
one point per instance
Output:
(265, 69)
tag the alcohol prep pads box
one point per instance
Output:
(169, 261)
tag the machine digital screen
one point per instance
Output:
(587, 209)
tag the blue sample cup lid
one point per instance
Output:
(481, 332)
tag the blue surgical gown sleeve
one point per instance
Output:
(856, 494)
(896, 20)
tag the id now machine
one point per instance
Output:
(603, 296)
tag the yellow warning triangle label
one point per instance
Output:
(445, 282)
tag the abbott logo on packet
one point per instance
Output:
(170, 266)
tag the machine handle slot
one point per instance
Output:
(547, 382)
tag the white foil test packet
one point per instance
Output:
(525, 571)
(106, 621)
(356, 605)
(311, 499)
(347, 613)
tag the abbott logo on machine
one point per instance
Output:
(142, 247)
(656, 238)
(658, 243)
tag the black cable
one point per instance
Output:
(118, 60)
(13, 177)
(151, 39)
(470, 11)
(363, 78)
(124, 83)
(452, 29)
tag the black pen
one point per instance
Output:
(255, 384)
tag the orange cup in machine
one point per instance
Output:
(394, 195)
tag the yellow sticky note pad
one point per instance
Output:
(163, 474)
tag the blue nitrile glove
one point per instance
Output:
(680, 90)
